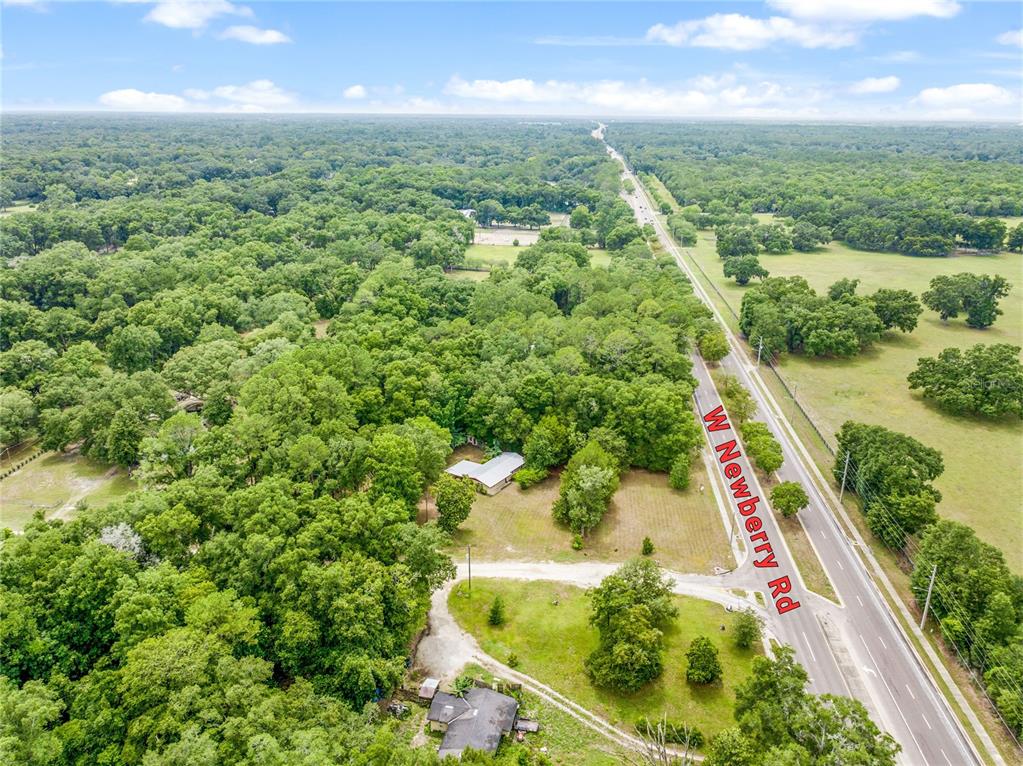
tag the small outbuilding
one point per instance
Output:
(477, 720)
(493, 475)
(428, 689)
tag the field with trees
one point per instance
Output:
(872, 386)
(552, 642)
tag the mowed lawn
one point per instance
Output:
(983, 475)
(55, 483)
(505, 255)
(685, 527)
(552, 642)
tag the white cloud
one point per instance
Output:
(865, 10)
(1012, 37)
(899, 57)
(964, 96)
(130, 99)
(702, 96)
(256, 96)
(355, 91)
(258, 93)
(254, 35)
(193, 14)
(734, 31)
(875, 85)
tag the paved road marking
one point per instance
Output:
(894, 701)
(927, 722)
(910, 692)
(814, 658)
(945, 757)
(882, 642)
(859, 599)
(824, 535)
(840, 565)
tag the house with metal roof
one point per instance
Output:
(477, 720)
(493, 475)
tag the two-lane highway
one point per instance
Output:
(854, 648)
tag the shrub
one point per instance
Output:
(577, 542)
(747, 629)
(702, 665)
(512, 661)
(678, 478)
(527, 477)
(648, 546)
(496, 615)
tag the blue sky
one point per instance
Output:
(797, 59)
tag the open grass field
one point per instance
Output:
(552, 642)
(55, 483)
(685, 527)
(505, 255)
(983, 475)
(21, 206)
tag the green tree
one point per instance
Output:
(17, 416)
(1014, 242)
(587, 485)
(736, 242)
(454, 498)
(982, 380)
(629, 608)
(678, 478)
(133, 348)
(896, 308)
(744, 268)
(713, 346)
(746, 629)
(789, 498)
(580, 218)
(702, 664)
(496, 616)
(648, 547)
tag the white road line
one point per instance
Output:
(810, 648)
(840, 565)
(910, 692)
(945, 757)
(894, 701)
(860, 600)
(927, 722)
(882, 642)
(824, 535)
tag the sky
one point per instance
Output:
(780, 59)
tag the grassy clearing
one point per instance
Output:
(505, 255)
(552, 643)
(55, 483)
(872, 387)
(21, 206)
(685, 527)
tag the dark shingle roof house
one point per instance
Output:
(477, 720)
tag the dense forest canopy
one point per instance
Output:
(272, 569)
(919, 190)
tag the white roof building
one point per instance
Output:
(492, 475)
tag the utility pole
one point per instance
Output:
(845, 472)
(927, 602)
(760, 349)
(468, 555)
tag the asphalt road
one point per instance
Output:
(856, 648)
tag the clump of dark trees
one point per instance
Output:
(786, 314)
(977, 600)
